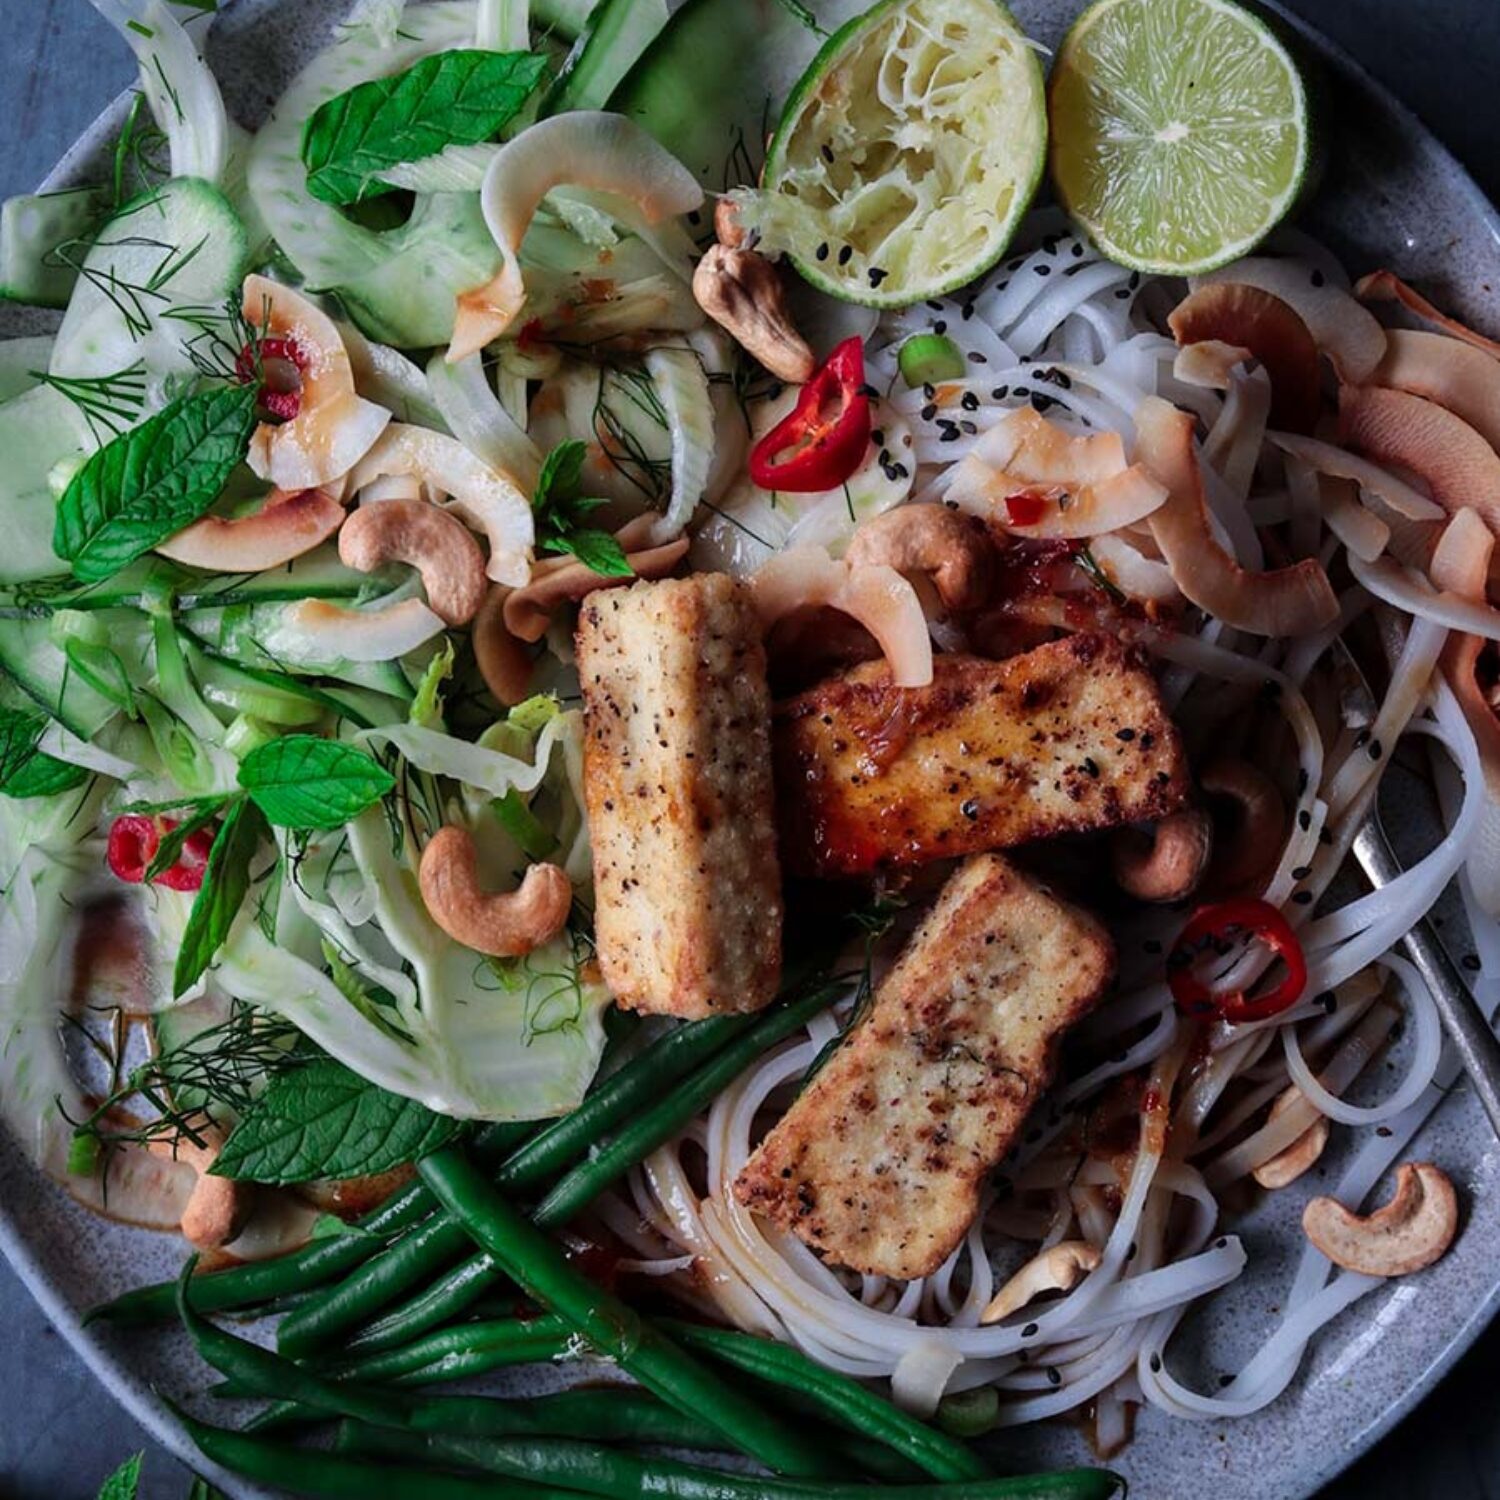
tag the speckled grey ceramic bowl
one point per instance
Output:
(1390, 196)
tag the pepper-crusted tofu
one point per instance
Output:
(1068, 738)
(878, 1164)
(677, 780)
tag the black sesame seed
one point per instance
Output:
(878, 438)
(1303, 898)
(1054, 1377)
(1042, 269)
(827, 151)
(1131, 1253)
(1043, 403)
(976, 358)
(1317, 278)
(1155, 1364)
(1017, 263)
(967, 311)
(1225, 1380)
(969, 401)
(1470, 961)
(950, 435)
(929, 411)
(969, 427)
(822, 251)
(1135, 280)
(1329, 1001)
(941, 326)
(1302, 780)
(1077, 250)
(1220, 1243)
(1304, 820)
(929, 390)
(1121, 294)
(1375, 751)
(934, 304)
(1029, 1331)
(1022, 392)
(899, 470)
(1301, 872)
(1000, 393)
(1383, 1131)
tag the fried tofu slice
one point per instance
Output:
(878, 1164)
(1068, 738)
(677, 782)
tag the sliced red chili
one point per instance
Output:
(1025, 508)
(1217, 927)
(134, 840)
(279, 364)
(823, 439)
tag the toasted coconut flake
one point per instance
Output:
(1210, 363)
(1286, 601)
(1422, 438)
(1249, 317)
(1083, 483)
(1386, 286)
(587, 148)
(1338, 463)
(488, 499)
(383, 634)
(286, 526)
(1347, 333)
(1454, 374)
(878, 597)
(334, 426)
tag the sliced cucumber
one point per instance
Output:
(170, 258)
(618, 32)
(400, 284)
(38, 430)
(711, 86)
(22, 363)
(33, 229)
(34, 667)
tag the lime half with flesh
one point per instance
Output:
(1179, 131)
(907, 152)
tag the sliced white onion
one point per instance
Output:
(1409, 591)
(1341, 464)
(682, 385)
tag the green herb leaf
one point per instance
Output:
(598, 551)
(169, 850)
(377, 1006)
(534, 839)
(84, 1153)
(324, 1120)
(301, 781)
(561, 510)
(460, 97)
(226, 879)
(201, 1489)
(24, 770)
(152, 480)
(331, 1227)
(125, 1482)
(427, 706)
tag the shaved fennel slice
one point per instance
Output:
(479, 419)
(682, 385)
(181, 91)
(381, 18)
(454, 169)
(587, 149)
(502, 25)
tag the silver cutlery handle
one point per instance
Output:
(1466, 1024)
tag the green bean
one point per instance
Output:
(609, 1472)
(654, 1125)
(835, 1397)
(539, 1267)
(299, 1270)
(305, 1471)
(435, 1242)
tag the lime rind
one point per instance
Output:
(1180, 132)
(907, 153)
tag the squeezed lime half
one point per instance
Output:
(906, 153)
(1179, 131)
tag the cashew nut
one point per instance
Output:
(727, 224)
(439, 546)
(742, 292)
(218, 1207)
(1059, 1269)
(1410, 1232)
(1166, 864)
(1290, 1163)
(503, 924)
(1249, 841)
(951, 548)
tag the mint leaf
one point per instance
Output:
(169, 850)
(24, 770)
(153, 480)
(301, 781)
(323, 1120)
(598, 551)
(226, 879)
(561, 509)
(460, 97)
(124, 1483)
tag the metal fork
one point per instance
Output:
(1467, 1025)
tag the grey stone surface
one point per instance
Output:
(60, 1433)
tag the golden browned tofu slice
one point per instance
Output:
(1067, 738)
(878, 1164)
(677, 779)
